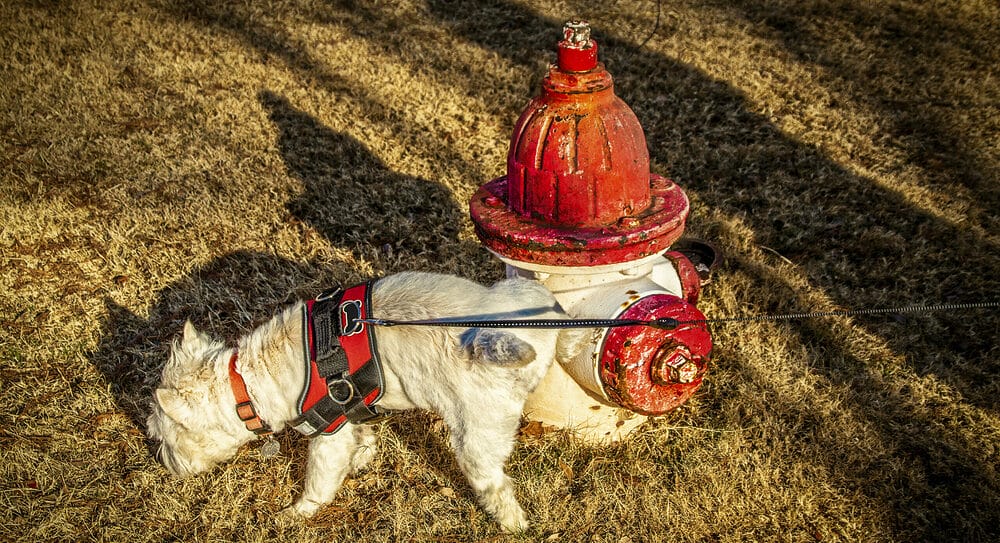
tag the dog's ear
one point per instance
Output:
(173, 404)
(186, 354)
(192, 335)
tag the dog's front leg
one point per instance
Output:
(329, 462)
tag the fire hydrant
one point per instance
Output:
(580, 212)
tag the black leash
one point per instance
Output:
(662, 323)
(668, 323)
(859, 312)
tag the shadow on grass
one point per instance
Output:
(917, 67)
(226, 298)
(355, 201)
(269, 38)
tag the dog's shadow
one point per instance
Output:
(225, 298)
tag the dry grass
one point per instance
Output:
(163, 160)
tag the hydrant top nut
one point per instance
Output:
(577, 52)
(577, 34)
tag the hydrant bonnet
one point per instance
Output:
(578, 190)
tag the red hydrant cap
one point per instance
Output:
(653, 371)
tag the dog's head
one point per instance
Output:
(193, 416)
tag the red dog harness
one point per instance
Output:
(343, 372)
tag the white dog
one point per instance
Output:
(476, 379)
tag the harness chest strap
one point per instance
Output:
(343, 371)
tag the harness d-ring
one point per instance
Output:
(342, 385)
(329, 294)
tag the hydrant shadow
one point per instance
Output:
(356, 202)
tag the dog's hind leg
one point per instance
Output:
(366, 449)
(482, 445)
(331, 458)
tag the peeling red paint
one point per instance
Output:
(653, 371)
(578, 190)
(541, 241)
(578, 193)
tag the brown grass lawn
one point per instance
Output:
(167, 160)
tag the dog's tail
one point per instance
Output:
(504, 348)
(497, 347)
(571, 342)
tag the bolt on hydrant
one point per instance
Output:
(580, 212)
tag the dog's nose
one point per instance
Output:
(164, 455)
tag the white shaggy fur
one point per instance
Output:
(477, 380)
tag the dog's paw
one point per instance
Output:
(288, 517)
(515, 522)
(298, 512)
(510, 516)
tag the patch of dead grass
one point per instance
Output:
(170, 160)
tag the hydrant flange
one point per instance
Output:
(629, 238)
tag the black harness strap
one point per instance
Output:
(329, 356)
(350, 395)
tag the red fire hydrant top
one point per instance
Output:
(578, 191)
